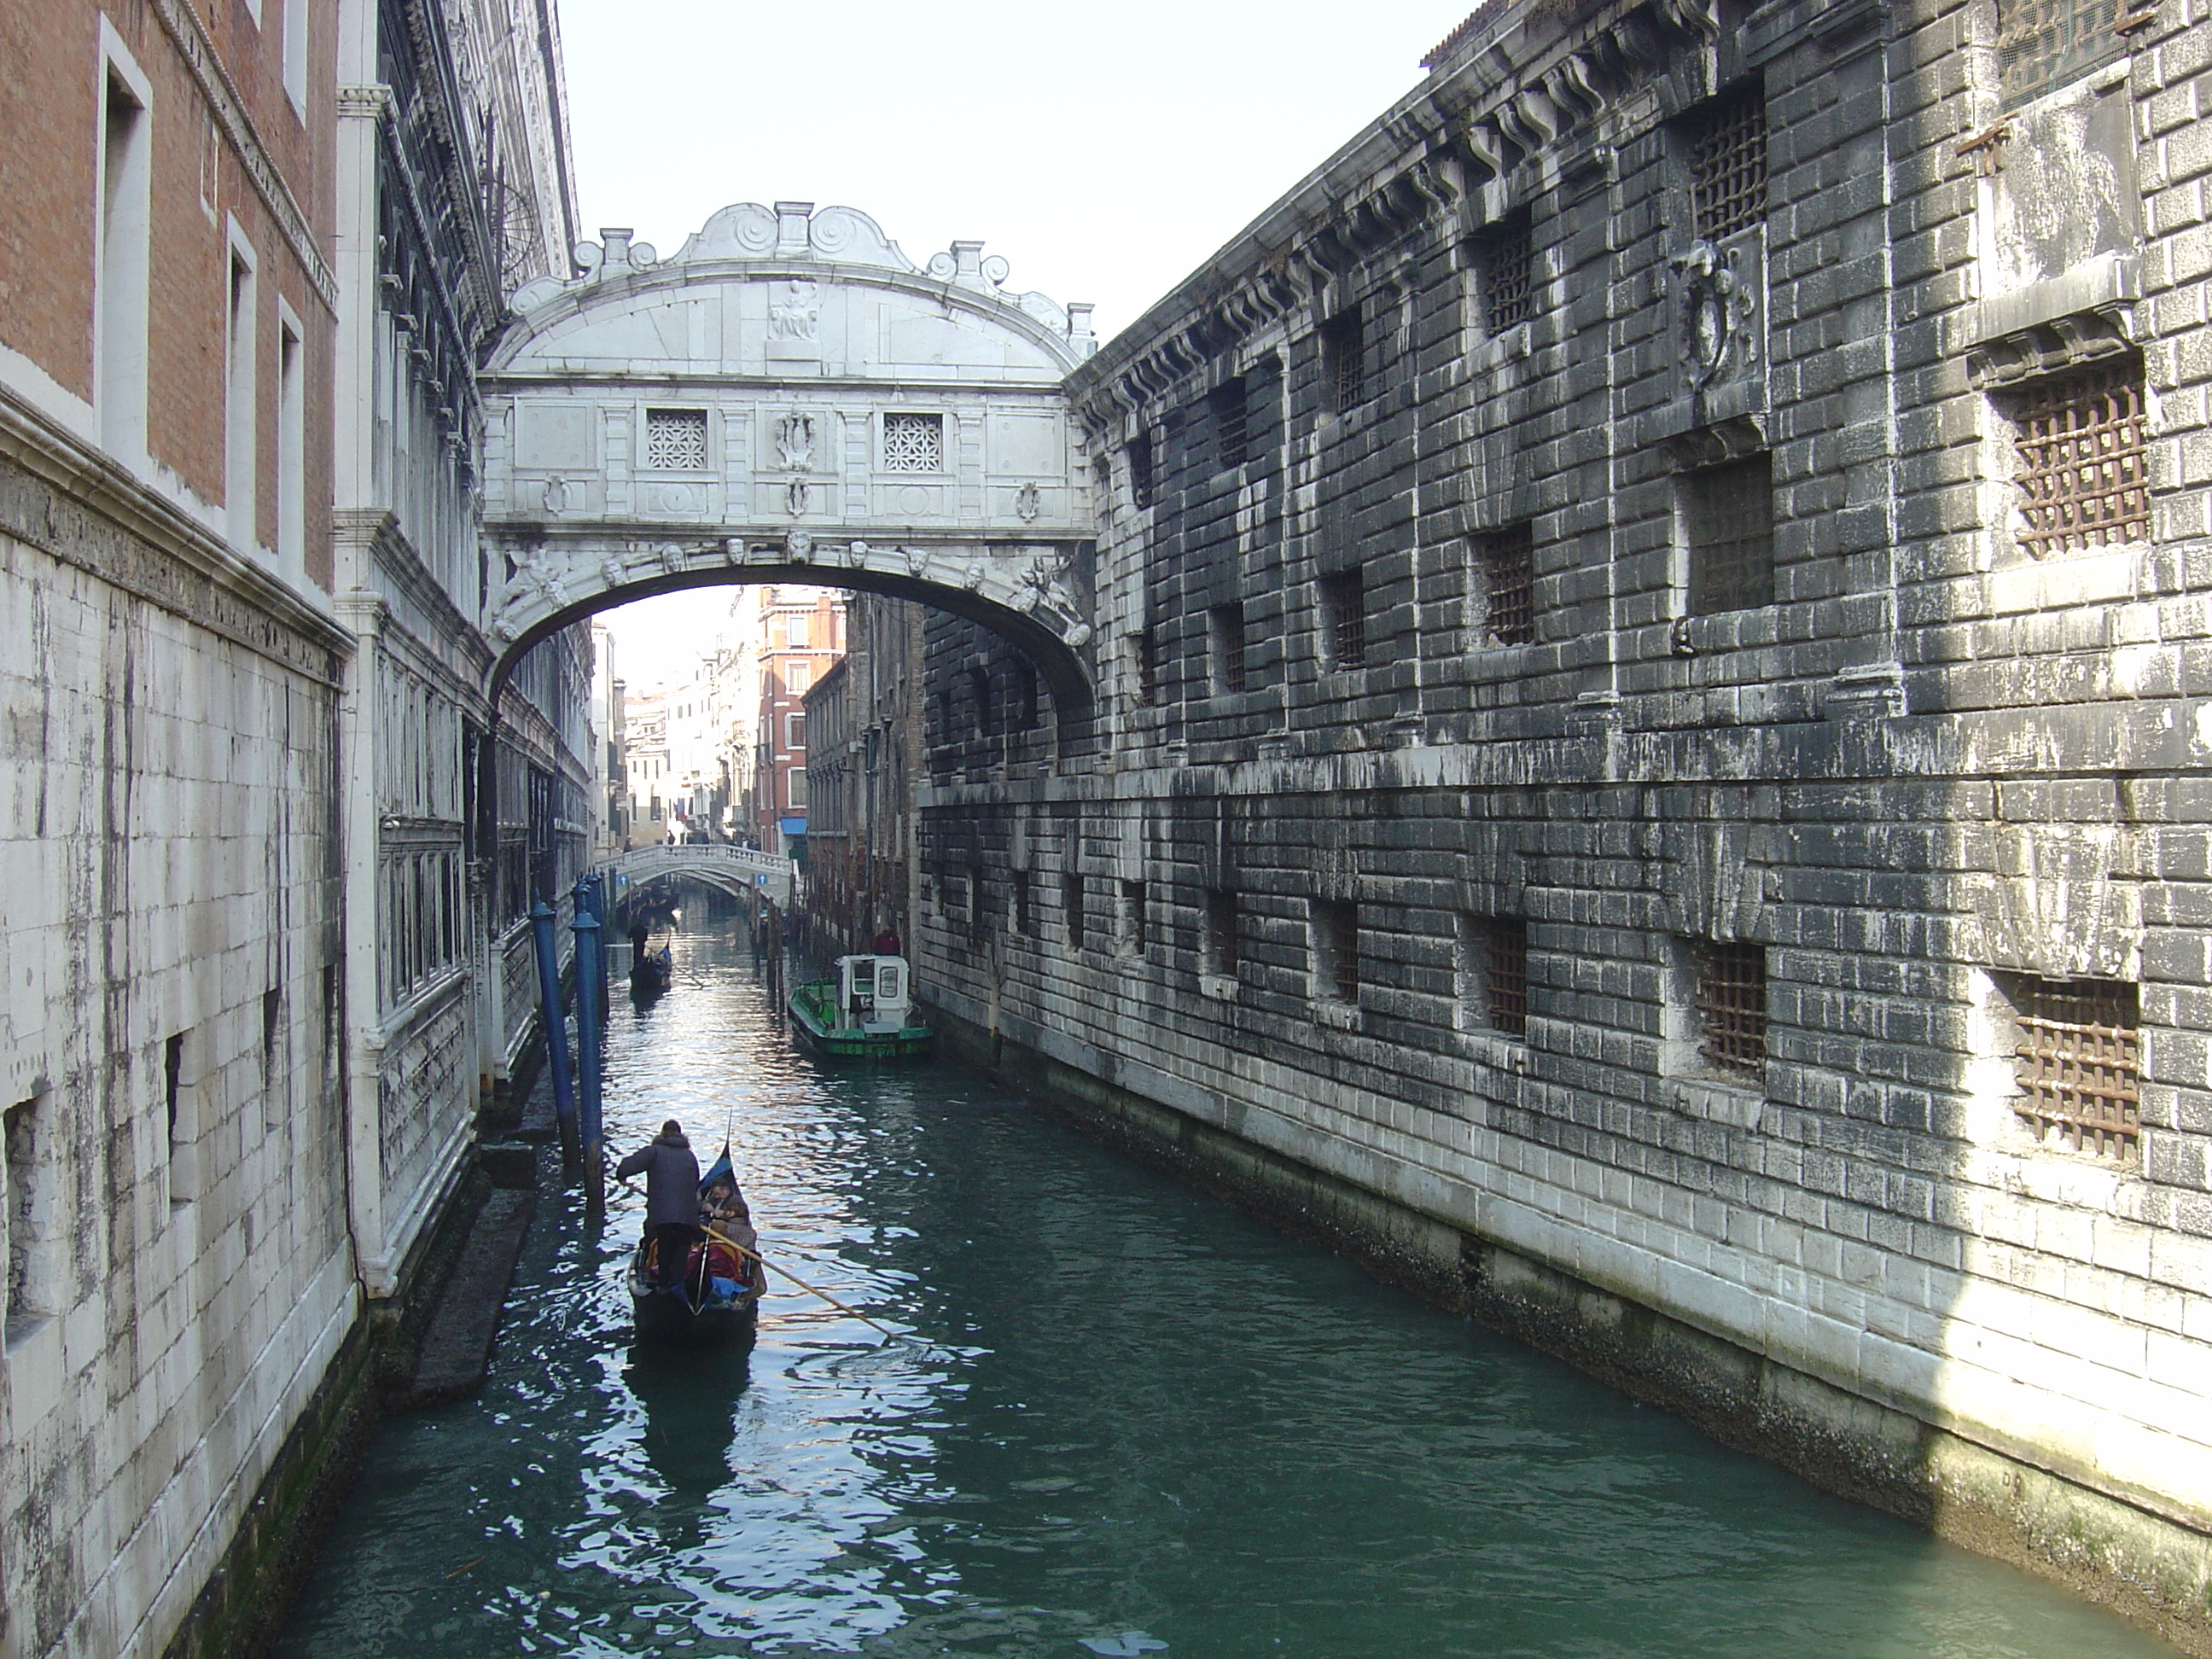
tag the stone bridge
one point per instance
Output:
(736, 870)
(790, 399)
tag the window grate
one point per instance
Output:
(1505, 273)
(1732, 1005)
(1728, 165)
(1220, 933)
(2083, 481)
(1021, 904)
(1505, 974)
(1343, 362)
(1508, 577)
(1729, 512)
(1225, 624)
(1336, 950)
(1344, 618)
(2079, 1064)
(914, 443)
(1071, 895)
(2041, 43)
(1144, 661)
(1132, 917)
(1226, 409)
(676, 440)
(1140, 470)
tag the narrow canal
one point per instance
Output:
(1126, 1419)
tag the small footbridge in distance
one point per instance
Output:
(739, 871)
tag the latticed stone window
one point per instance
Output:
(2078, 1059)
(1726, 145)
(1728, 513)
(1224, 628)
(1505, 273)
(2041, 43)
(1731, 995)
(1343, 597)
(1335, 937)
(676, 440)
(2081, 472)
(914, 443)
(1507, 558)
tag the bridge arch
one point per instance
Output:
(790, 399)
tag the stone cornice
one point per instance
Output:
(183, 28)
(177, 564)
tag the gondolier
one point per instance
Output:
(671, 1199)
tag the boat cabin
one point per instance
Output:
(874, 992)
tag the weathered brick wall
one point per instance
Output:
(1931, 763)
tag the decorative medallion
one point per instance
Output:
(1028, 503)
(556, 496)
(794, 443)
(794, 498)
(1719, 314)
(794, 310)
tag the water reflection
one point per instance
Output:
(1121, 1415)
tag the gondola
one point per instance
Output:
(862, 1012)
(706, 1307)
(651, 974)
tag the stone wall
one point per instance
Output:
(1606, 749)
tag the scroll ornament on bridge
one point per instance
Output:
(535, 586)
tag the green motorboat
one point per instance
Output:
(862, 1012)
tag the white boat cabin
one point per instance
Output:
(874, 992)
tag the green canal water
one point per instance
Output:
(1123, 1419)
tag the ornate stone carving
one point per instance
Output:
(1028, 503)
(794, 443)
(794, 311)
(798, 545)
(536, 585)
(794, 498)
(1719, 290)
(556, 495)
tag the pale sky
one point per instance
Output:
(1104, 152)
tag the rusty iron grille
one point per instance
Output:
(1509, 578)
(1225, 407)
(1343, 362)
(1505, 974)
(1728, 165)
(1227, 625)
(2082, 478)
(2041, 43)
(2079, 1064)
(1732, 1006)
(1344, 618)
(1729, 512)
(1505, 269)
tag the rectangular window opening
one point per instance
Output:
(1334, 928)
(1071, 897)
(914, 443)
(121, 282)
(2083, 477)
(2078, 1064)
(1507, 558)
(1225, 630)
(2043, 43)
(1344, 617)
(291, 450)
(1731, 1000)
(1144, 665)
(1491, 959)
(1140, 470)
(1133, 918)
(29, 1289)
(1219, 954)
(1343, 362)
(1022, 928)
(676, 440)
(1226, 414)
(1505, 273)
(1726, 146)
(1727, 515)
(240, 426)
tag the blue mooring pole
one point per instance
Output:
(556, 1027)
(591, 974)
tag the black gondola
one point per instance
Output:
(704, 1307)
(651, 974)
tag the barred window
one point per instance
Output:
(1144, 665)
(676, 440)
(1132, 917)
(1343, 362)
(1507, 558)
(1219, 954)
(2079, 1065)
(1071, 898)
(1225, 409)
(1140, 470)
(1505, 273)
(914, 443)
(2082, 473)
(1726, 141)
(2041, 43)
(1021, 904)
(1731, 1006)
(1334, 931)
(1344, 617)
(1728, 513)
(1491, 959)
(1224, 629)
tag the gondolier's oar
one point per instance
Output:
(802, 1284)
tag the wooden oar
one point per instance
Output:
(802, 1284)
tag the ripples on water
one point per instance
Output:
(1121, 1413)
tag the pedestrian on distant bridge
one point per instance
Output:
(671, 1199)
